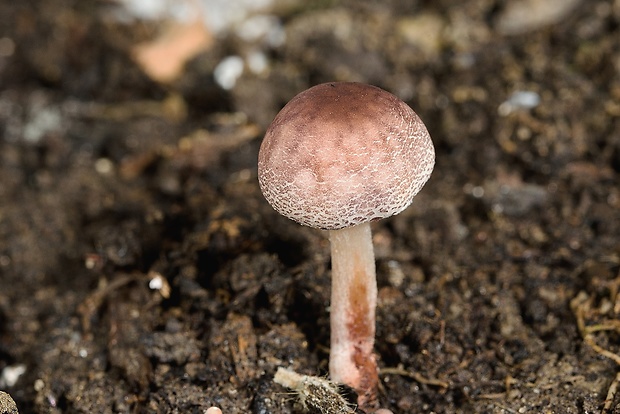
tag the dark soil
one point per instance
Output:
(499, 287)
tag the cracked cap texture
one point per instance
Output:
(343, 153)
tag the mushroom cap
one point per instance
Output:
(344, 153)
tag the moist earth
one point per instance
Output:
(142, 271)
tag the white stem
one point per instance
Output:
(353, 305)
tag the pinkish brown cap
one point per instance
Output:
(344, 153)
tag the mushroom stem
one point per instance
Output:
(353, 304)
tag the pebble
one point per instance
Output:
(525, 16)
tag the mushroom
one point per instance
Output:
(336, 157)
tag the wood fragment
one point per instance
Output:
(314, 393)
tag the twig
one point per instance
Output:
(414, 375)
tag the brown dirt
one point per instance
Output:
(498, 287)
